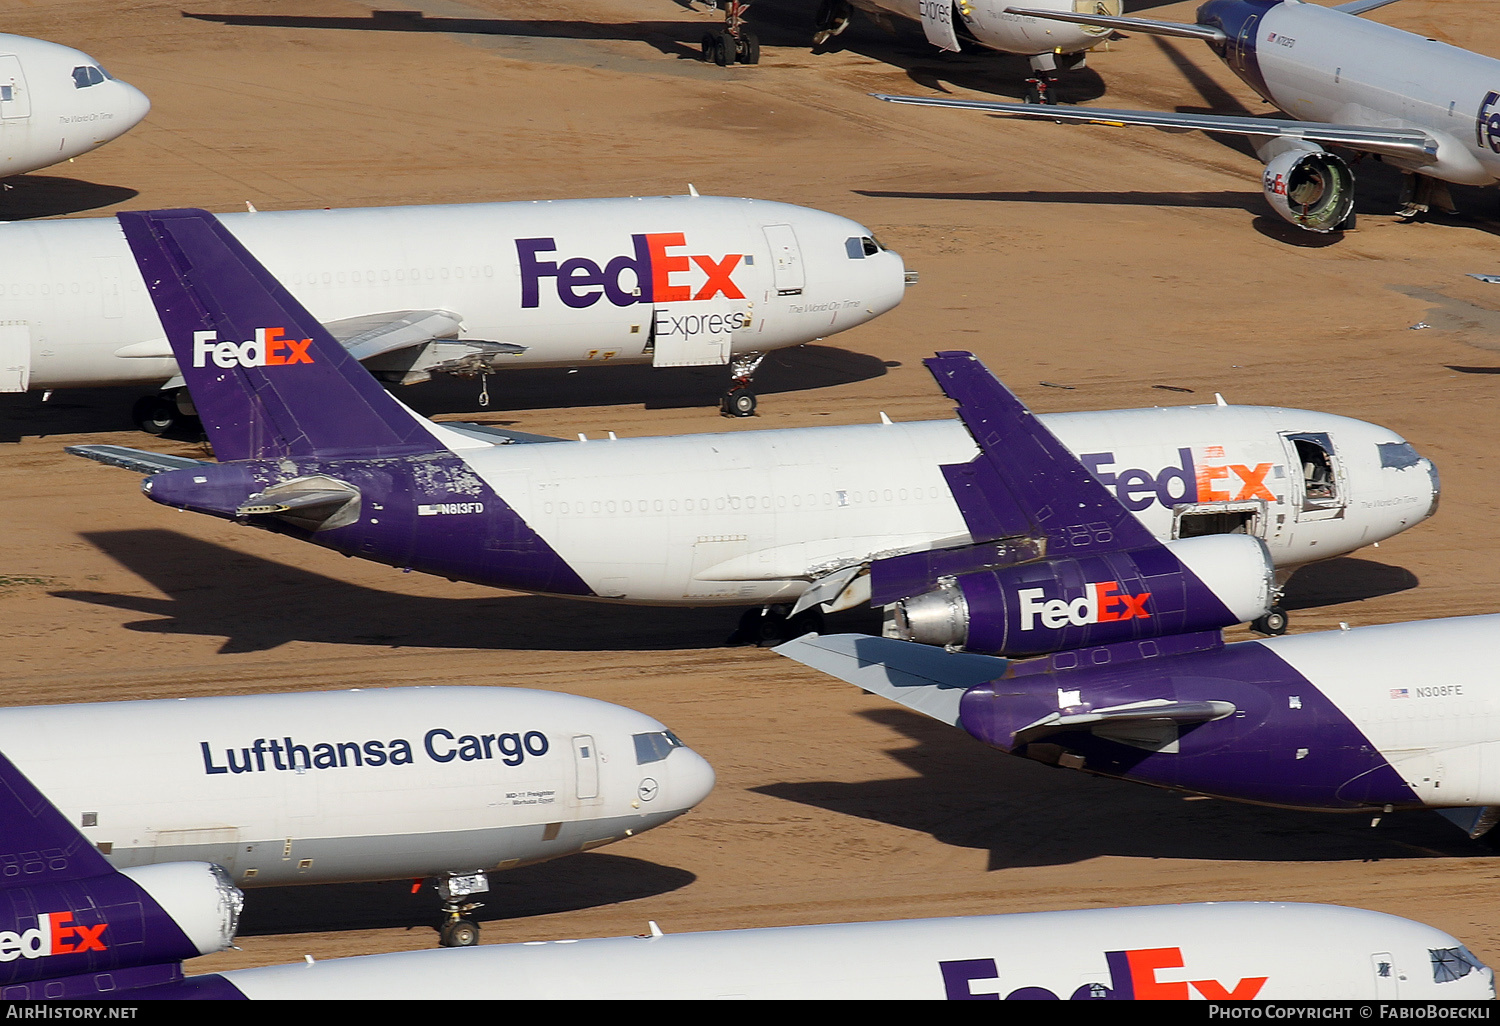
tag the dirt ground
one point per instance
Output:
(1113, 261)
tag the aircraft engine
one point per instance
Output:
(199, 896)
(1050, 605)
(1311, 188)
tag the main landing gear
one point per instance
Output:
(165, 412)
(734, 43)
(739, 400)
(832, 18)
(458, 930)
(766, 626)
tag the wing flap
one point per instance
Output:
(929, 680)
(1408, 143)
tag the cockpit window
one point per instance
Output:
(655, 746)
(861, 246)
(1398, 455)
(1449, 964)
(88, 75)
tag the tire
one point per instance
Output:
(738, 402)
(748, 51)
(155, 414)
(459, 933)
(708, 43)
(1273, 624)
(805, 622)
(724, 49)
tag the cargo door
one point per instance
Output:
(586, 762)
(786, 259)
(15, 101)
(937, 24)
(695, 334)
(15, 357)
(1317, 486)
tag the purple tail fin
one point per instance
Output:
(37, 843)
(1025, 482)
(267, 379)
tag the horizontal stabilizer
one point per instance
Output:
(139, 460)
(1407, 143)
(930, 680)
(1207, 33)
(1125, 721)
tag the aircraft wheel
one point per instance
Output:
(459, 933)
(805, 622)
(738, 402)
(748, 50)
(1273, 624)
(710, 40)
(724, 49)
(155, 414)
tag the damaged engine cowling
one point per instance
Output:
(1051, 605)
(1311, 188)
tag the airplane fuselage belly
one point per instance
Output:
(1335, 721)
(564, 279)
(997, 28)
(351, 785)
(1319, 65)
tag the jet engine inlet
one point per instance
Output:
(1313, 189)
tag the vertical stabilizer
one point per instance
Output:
(267, 379)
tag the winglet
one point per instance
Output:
(1025, 482)
(268, 380)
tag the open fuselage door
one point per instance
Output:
(937, 24)
(1322, 492)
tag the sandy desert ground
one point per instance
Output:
(1112, 261)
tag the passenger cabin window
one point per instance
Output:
(87, 75)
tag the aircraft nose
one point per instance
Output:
(133, 106)
(692, 778)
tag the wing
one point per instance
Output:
(1207, 33)
(1408, 143)
(1361, 6)
(139, 460)
(930, 680)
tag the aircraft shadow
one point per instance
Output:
(795, 369)
(562, 885)
(209, 587)
(1344, 580)
(1023, 813)
(27, 196)
(1248, 201)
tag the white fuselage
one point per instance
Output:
(993, 26)
(1435, 719)
(1231, 951)
(57, 103)
(562, 278)
(373, 784)
(1322, 65)
(752, 517)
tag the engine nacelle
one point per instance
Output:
(1051, 605)
(1311, 188)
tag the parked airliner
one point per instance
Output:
(310, 446)
(74, 927)
(468, 290)
(57, 103)
(444, 783)
(1236, 951)
(990, 24)
(1134, 679)
(1349, 84)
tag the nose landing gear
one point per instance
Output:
(457, 929)
(739, 400)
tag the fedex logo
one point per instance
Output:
(55, 934)
(1101, 603)
(652, 266)
(1200, 479)
(1132, 977)
(1487, 122)
(1274, 184)
(269, 348)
